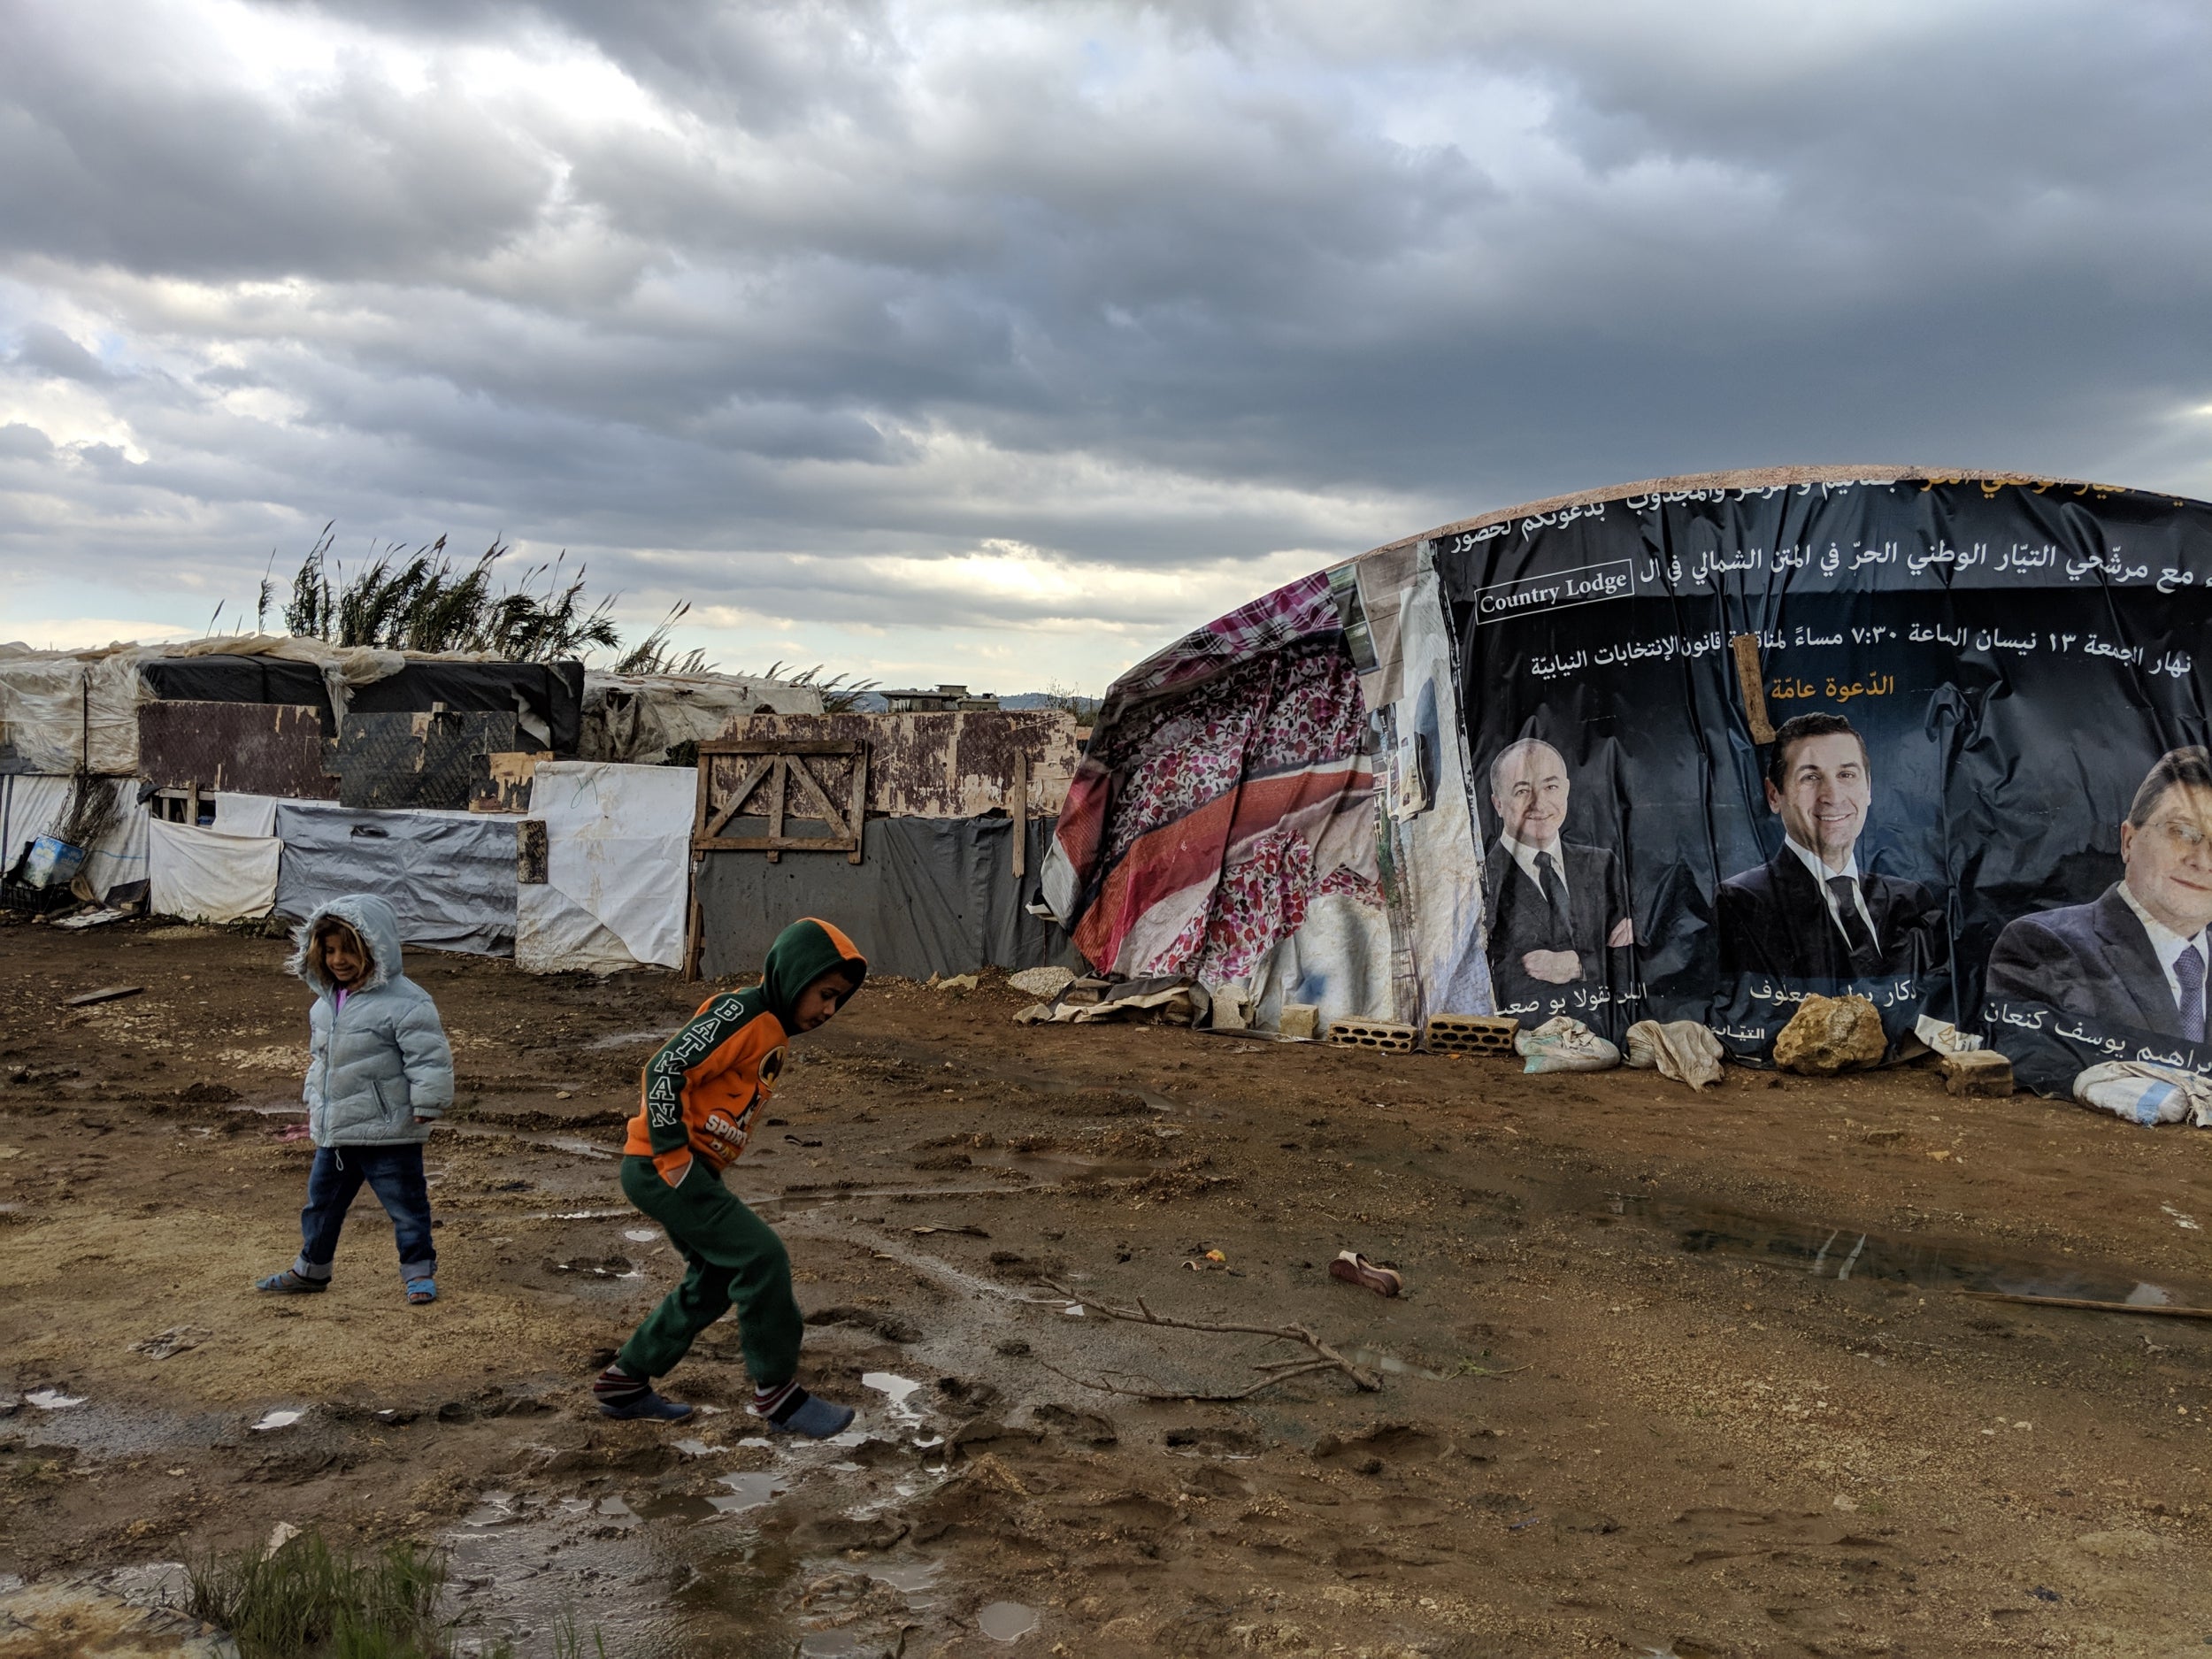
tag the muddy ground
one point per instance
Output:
(1673, 1374)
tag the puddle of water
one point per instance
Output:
(53, 1399)
(829, 1644)
(677, 1506)
(629, 1039)
(747, 1491)
(910, 1578)
(897, 1389)
(277, 1420)
(1382, 1360)
(640, 1235)
(692, 1448)
(1848, 1253)
(1006, 1621)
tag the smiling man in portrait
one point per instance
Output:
(1812, 913)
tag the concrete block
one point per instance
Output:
(1472, 1034)
(1300, 1019)
(1977, 1071)
(1385, 1036)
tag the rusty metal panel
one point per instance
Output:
(501, 783)
(249, 748)
(418, 760)
(943, 765)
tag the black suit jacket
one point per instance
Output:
(1522, 921)
(1775, 920)
(2094, 960)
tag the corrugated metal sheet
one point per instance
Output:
(273, 749)
(943, 765)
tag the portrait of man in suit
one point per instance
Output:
(2136, 955)
(1558, 909)
(1810, 912)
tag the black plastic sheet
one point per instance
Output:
(2013, 660)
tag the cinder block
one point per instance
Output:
(1385, 1036)
(1472, 1034)
(1300, 1019)
(1977, 1071)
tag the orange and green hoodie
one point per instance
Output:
(699, 1092)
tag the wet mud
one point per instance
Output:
(1673, 1373)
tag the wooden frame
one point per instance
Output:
(775, 770)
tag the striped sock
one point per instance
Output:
(772, 1402)
(615, 1386)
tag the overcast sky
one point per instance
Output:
(1002, 343)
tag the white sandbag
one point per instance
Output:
(1682, 1049)
(1561, 1044)
(204, 875)
(2146, 1094)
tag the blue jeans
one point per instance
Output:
(394, 1173)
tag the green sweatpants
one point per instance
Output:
(732, 1255)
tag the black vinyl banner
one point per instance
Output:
(1939, 742)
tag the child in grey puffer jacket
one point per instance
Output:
(378, 1073)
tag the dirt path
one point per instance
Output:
(1672, 1374)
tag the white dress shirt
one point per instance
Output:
(1525, 856)
(2166, 944)
(1822, 874)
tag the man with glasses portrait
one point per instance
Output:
(2135, 956)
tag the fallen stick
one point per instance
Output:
(2158, 1310)
(1320, 1356)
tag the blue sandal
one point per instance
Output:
(422, 1290)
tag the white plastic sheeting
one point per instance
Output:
(639, 717)
(31, 806)
(206, 875)
(618, 839)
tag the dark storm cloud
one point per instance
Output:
(771, 295)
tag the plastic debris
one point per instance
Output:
(1682, 1049)
(2146, 1094)
(1562, 1044)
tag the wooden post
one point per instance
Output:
(1021, 816)
(860, 804)
(777, 779)
(692, 941)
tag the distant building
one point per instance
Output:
(944, 700)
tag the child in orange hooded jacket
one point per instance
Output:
(700, 1092)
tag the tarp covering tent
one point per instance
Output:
(450, 876)
(31, 806)
(1589, 794)
(62, 710)
(640, 718)
(618, 839)
(211, 875)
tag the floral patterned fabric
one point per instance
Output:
(1223, 788)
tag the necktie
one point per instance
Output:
(2189, 974)
(1865, 959)
(1547, 878)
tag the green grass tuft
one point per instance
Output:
(305, 1600)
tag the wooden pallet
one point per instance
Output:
(1382, 1036)
(1472, 1034)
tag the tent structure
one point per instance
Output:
(1696, 748)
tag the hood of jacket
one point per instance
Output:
(373, 918)
(803, 953)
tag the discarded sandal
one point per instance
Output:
(290, 1283)
(1354, 1269)
(422, 1290)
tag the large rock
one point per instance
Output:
(1829, 1034)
